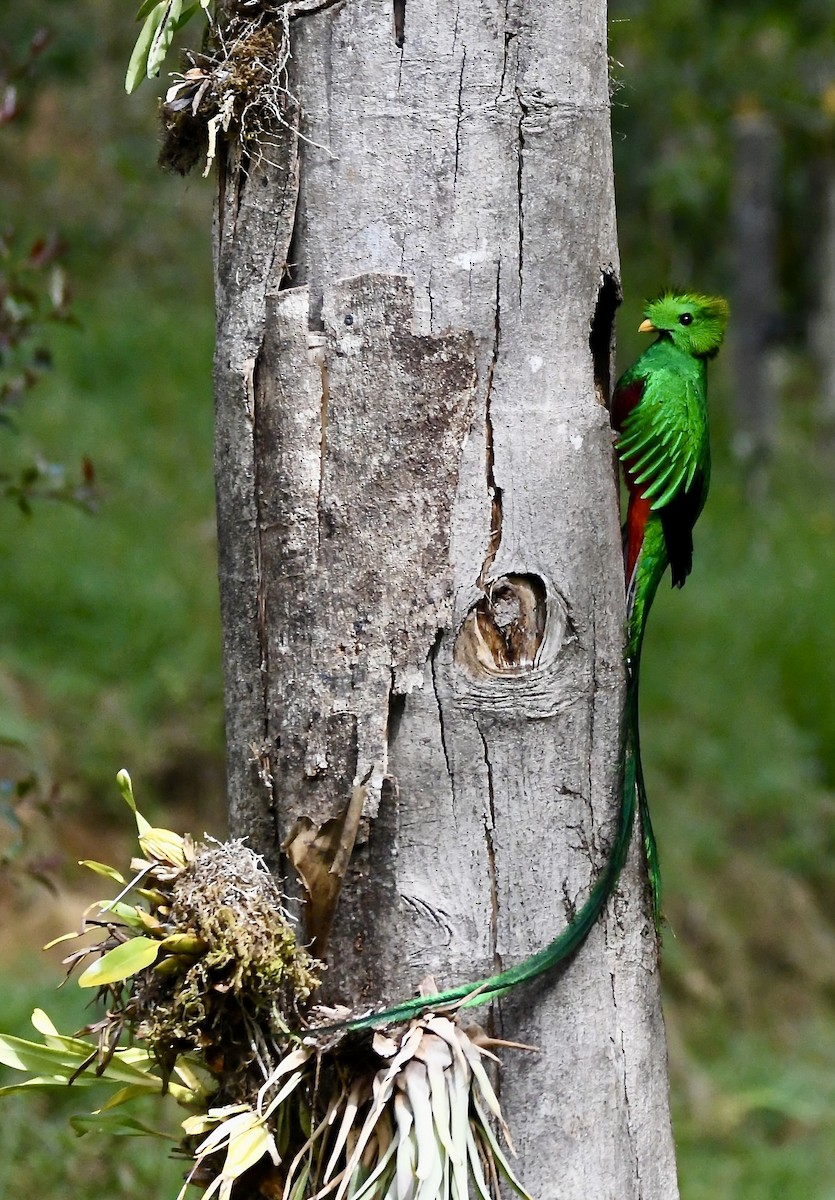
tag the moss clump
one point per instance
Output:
(237, 974)
(238, 86)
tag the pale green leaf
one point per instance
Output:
(367, 1186)
(65, 937)
(38, 1081)
(246, 1149)
(128, 913)
(291, 1062)
(121, 962)
(200, 1122)
(59, 1063)
(42, 1022)
(123, 779)
(458, 1093)
(417, 1089)
(405, 1168)
(185, 16)
(353, 1101)
(476, 1172)
(163, 845)
(137, 1056)
(473, 1057)
(220, 1186)
(226, 1130)
(161, 41)
(102, 869)
(438, 1057)
(197, 1124)
(121, 1070)
(22, 1055)
(498, 1153)
(59, 1041)
(290, 1086)
(185, 1070)
(300, 1185)
(124, 1096)
(115, 1124)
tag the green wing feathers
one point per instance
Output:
(662, 440)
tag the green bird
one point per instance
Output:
(659, 409)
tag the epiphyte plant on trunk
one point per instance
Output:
(236, 84)
(161, 19)
(203, 983)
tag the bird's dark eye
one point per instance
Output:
(686, 319)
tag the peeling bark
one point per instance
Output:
(357, 449)
(420, 553)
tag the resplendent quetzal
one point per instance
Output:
(659, 409)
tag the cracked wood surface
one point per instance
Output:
(419, 549)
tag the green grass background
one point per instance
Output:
(109, 657)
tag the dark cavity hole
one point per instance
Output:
(399, 23)
(602, 335)
(397, 706)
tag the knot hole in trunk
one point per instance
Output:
(503, 632)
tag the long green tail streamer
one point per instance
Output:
(569, 940)
(650, 568)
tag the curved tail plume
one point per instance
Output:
(567, 941)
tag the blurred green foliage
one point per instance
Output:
(681, 71)
(109, 651)
(739, 731)
(40, 1155)
(110, 629)
(34, 295)
(113, 621)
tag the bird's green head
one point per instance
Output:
(695, 324)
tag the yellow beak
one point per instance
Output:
(646, 327)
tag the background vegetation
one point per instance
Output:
(108, 624)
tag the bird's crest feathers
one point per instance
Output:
(694, 323)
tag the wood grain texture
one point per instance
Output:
(425, 588)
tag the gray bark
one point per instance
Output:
(419, 550)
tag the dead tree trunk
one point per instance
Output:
(419, 551)
(754, 305)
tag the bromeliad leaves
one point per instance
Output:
(161, 19)
(405, 1118)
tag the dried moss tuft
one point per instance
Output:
(237, 87)
(241, 975)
